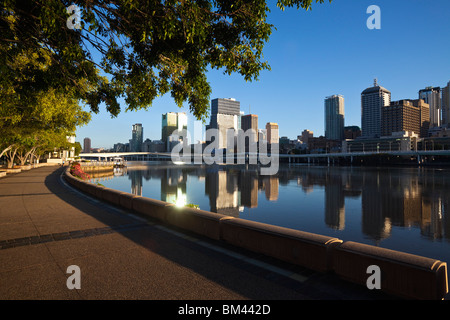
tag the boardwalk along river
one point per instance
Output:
(405, 209)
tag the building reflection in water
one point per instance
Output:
(229, 191)
(136, 181)
(415, 198)
(173, 186)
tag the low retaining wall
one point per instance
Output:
(97, 168)
(402, 274)
(25, 167)
(11, 170)
(405, 275)
(309, 250)
(18, 169)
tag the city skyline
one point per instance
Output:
(305, 70)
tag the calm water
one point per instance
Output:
(404, 209)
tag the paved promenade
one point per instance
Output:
(47, 226)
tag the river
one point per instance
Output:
(405, 209)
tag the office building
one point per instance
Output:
(334, 117)
(87, 145)
(446, 104)
(225, 106)
(352, 132)
(306, 135)
(405, 115)
(250, 122)
(272, 133)
(172, 121)
(372, 100)
(137, 137)
(225, 115)
(432, 96)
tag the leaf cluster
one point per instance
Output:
(133, 49)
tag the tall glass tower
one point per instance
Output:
(334, 117)
(137, 137)
(446, 104)
(372, 100)
(172, 121)
(432, 96)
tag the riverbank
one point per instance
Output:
(47, 226)
(420, 276)
(17, 169)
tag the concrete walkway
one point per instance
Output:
(47, 226)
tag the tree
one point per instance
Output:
(78, 148)
(30, 130)
(146, 48)
(28, 123)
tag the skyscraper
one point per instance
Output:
(446, 104)
(249, 121)
(334, 117)
(432, 96)
(273, 136)
(137, 137)
(225, 115)
(87, 145)
(172, 121)
(372, 100)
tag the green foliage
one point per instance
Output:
(33, 119)
(146, 48)
(78, 148)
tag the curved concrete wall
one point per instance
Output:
(405, 275)
(301, 248)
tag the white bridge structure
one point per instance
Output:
(419, 156)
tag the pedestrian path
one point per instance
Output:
(46, 226)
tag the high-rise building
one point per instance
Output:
(225, 106)
(137, 137)
(225, 114)
(172, 121)
(272, 132)
(249, 121)
(334, 117)
(372, 100)
(446, 104)
(405, 115)
(432, 96)
(87, 145)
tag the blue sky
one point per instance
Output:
(314, 54)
